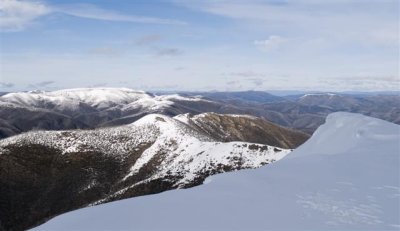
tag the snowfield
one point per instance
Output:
(345, 177)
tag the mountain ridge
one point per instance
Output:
(45, 173)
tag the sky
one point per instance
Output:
(176, 45)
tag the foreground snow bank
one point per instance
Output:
(345, 177)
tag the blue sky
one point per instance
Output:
(331, 45)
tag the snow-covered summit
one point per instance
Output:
(186, 116)
(185, 144)
(354, 187)
(92, 96)
(169, 127)
(344, 131)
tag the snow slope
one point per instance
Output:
(346, 177)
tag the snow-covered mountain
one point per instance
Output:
(92, 108)
(72, 99)
(331, 101)
(46, 173)
(345, 177)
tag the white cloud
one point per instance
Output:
(367, 22)
(16, 15)
(202, 72)
(273, 42)
(94, 12)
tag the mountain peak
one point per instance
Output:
(153, 119)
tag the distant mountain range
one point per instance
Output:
(306, 112)
(89, 108)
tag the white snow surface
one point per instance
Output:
(346, 177)
(318, 94)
